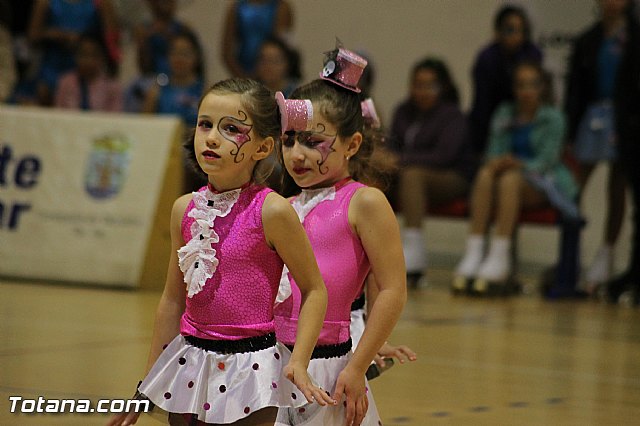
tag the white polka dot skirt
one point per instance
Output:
(325, 373)
(220, 388)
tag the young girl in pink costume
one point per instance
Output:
(214, 357)
(353, 232)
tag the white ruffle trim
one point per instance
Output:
(220, 388)
(302, 204)
(197, 259)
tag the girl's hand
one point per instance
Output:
(123, 419)
(402, 353)
(351, 384)
(299, 377)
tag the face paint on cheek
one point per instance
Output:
(319, 141)
(235, 130)
(324, 148)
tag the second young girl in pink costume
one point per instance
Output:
(214, 357)
(353, 232)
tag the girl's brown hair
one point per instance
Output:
(260, 105)
(372, 164)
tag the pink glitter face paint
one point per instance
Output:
(319, 141)
(235, 130)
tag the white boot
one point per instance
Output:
(496, 267)
(415, 250)
(468, 266)
(600, 270)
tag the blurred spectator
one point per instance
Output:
(429, 132)
(180, 93)
(247, 25)
(91, 84)
(493, 69)
(592, 80)
(278, 66)
(7, 62)
(152, 39)
(26, 57)
(56, 25)
(523, 169)
(626, 104)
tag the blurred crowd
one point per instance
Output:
(514, 149)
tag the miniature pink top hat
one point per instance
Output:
(369, 113)
(295, 114)
(344, 68)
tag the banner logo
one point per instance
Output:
(108, 165)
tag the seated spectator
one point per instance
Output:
(248, 23)
(429, 133)
(90, 85)
(522, 170)
(493, 69)
(180, 92)
(278, 66)
(152, 39)
(57, 25)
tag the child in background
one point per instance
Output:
(90, 85)
(214, 357)
(179, 92)
(353, 232)
(278, 66)
(152, 40)
(57, 25)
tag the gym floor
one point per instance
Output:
(482, 361)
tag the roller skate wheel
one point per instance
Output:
(480, 285)
(459, 283)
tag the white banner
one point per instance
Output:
(78, 193)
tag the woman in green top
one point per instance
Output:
(522, 170)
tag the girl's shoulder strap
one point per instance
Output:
(350, 188)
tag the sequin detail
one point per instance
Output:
(295, 114)
(197, 259)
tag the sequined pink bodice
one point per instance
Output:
(343, 264)
(237, 301)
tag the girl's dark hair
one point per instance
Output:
(547, 96)
(292, 55)
(449, 90)
(367, 78)
(192, 38)
(508, 10)
(260, 105)
(372, 164)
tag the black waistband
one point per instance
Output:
(329, 351)
(249, 344)
(358, 303)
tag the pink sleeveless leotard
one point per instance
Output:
(343, 264)
(237, 301)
